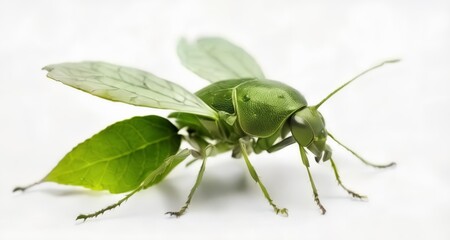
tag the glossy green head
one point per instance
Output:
(308, 129)
(308, 126)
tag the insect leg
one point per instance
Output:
(338, 179)
(282, 144)
(205, 153)
(84, 217)
(153, 178)
(313, 186)
(255, 177)
(359, 157)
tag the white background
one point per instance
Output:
(398, 113)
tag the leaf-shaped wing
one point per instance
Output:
(128, 85)
(216, 59)
(120, 157)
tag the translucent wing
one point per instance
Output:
(216, 59)
(128, 85)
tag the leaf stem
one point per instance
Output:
(24, 188)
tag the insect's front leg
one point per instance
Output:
(338, 179)
(313, 185)
(243, 145)
(281, 144)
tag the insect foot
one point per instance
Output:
(338, 179)
(317, 200)
(283, 211)
(177, 214)
(354, 194)
(82, 217)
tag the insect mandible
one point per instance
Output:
(240, 112)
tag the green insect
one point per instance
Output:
(241, 111)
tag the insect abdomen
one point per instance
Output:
(218, 95)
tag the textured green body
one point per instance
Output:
(261, 106)
(260, 109)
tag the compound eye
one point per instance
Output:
(302, 131)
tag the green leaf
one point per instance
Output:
(216, 59)
(128, 85)
(120, 157)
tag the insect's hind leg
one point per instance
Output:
(183, 209)
(338, 179)
(359, 157)
(153, 178)
(251, 169)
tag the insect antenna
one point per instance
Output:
(353, 79)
